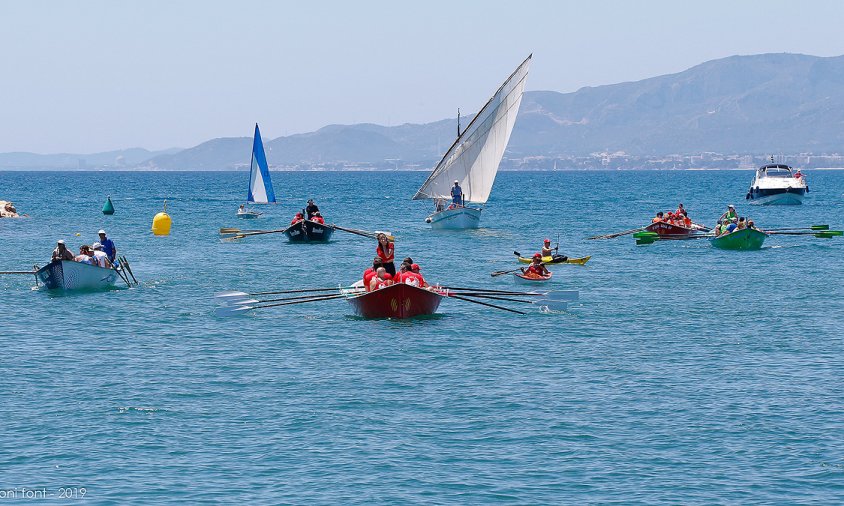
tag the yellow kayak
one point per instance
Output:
(557, 260)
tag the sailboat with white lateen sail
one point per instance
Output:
(260, 185)
(472, 161)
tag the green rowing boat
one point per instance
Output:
(744, 239)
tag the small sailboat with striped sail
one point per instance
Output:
(260, 185)
(472, 161)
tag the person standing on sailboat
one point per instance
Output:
(457, 194)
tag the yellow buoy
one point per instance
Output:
(161, 222)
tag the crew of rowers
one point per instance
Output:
(312, 211)
(679, 217)
(102, 253)
(730, 222)
(383, 271)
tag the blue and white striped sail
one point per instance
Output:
(260, 185)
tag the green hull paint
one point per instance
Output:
(746, 239)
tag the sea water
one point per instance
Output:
(684, 374)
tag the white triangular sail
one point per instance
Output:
(260, 185)
(474, 157)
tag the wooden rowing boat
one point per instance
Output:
(309, 231)
(395, 301)
(744, 239)
(558, 259)
(70, 275)
(674, 231)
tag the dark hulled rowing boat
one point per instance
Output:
(309, 231)
(672, 230)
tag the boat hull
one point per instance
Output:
(787, 197)
(529, 280)
(670, 230)
(70, 275)
(398, 301)
(745, 239)
(309, 231)
(455, 219)
(557, 260)
(249, 215)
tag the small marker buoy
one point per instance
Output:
(161, 222)
(108, 208)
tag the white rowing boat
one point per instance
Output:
(70, 275)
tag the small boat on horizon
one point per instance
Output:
(260, 190)
(473, 160)
(777, 184)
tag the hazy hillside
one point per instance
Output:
(124, 158)
(762, 104)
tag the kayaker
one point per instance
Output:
(108, 246)
(61, 252)
(547, 250)
(386, 252)
(296, 219)
(100, 257)
(317, 218)
(84, 255)
(311, 208)
(457, 194)
(536, 267)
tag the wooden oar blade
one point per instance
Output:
(221, 295)
(226, 311)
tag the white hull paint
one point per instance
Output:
(70, 275)
(455, 219)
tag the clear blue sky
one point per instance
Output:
(87, 76)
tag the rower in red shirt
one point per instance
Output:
(414, 269)
(318, 218)
(369, 273)
(296, 219)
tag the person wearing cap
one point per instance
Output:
(100, 257)
(536, 268)
(108, 246)
(61, 252)
(547, 250)
(311, 209)
(730, 215)
(457, 194)
(414, 269)
(85, 256)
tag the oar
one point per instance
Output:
(17, 272)
(224, 231)
(501, 273)
(234, 300)
(458, 297)
(241, 309)
(824, 234)
(262, 232)
(485, 290)
(252, 294)
(552, 295)
(125, 262)
(813, 227)
(364, 233)
(558, 305)
(617, 234)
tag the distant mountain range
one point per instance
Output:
(761, 104)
